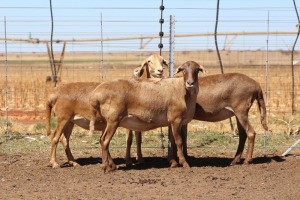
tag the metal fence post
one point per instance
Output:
(160, 46)
(171, 70)
(171, 47)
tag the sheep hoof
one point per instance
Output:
(186, 165)
(173, 164)
(54, 165)
(113, 166)
(128, 162)
(108, 169)
(235, 161)
(74, 164)
(247, 161)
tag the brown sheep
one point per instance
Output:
(226, 95)
(151, 103)
(70, 103)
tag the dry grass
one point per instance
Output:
(27, 88)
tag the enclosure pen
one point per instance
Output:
(120, 43)
(251, 56)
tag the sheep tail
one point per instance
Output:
(48, 116)
(95, 108)
(262, 109)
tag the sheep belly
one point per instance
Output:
(136, 124)
(215, 116)
(81, 121)
(85, 123)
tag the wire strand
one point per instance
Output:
(216, 39)
(292, 60)
(51, 43)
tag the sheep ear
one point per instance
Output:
(179, 69)
(138, 72)
(145, 62)
(202, 69)
(165, 63)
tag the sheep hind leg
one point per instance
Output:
(244, 122)
(107, 161)
(251, 139)
(241, 146)
(55, 139)
(65, 140)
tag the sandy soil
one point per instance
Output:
(210, 177)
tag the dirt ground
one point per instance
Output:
(210, 177)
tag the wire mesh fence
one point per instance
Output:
(108, 42)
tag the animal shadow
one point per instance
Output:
(162, 162)
(84, 161)
(266, 159)
(89, 161)
(149, 162)
(209, 161)
(225, 162)
(96, 160)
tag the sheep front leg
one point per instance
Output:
(128, 160)
(173, 148)
(176, 129)
(138, 139)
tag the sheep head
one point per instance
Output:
(153, 66)
(190, 70)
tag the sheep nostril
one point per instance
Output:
(190, 84)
